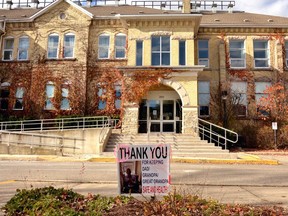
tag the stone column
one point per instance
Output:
(222, 62)
(189, 121)
(130, 119)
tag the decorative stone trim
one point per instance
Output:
(183, 37)
(160, 33)
(236, 37)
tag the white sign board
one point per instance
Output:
(274, 126)
(144, 168)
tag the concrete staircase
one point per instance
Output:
(182, 145)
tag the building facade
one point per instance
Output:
(70, 59)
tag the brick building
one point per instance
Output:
(53, 59)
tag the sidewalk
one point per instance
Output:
(236, 158)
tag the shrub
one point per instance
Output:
(49, 201)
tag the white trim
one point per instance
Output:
(44, 10)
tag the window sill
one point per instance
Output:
(111, 60)
(14, 61)
(62, 59)
(262, 69)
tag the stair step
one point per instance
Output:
(182, 145)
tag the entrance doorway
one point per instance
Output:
(160, 113)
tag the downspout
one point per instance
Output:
(4, 33)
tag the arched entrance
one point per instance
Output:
(160, 111)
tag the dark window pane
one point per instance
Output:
(182, 53)
(139, 53)
(155, 58)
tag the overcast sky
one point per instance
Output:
(271, 7)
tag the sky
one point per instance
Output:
(271, 7)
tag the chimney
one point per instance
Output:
(186, 6)
(35, 3)
(9, 4)
(88, 3)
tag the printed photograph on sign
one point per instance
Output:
(130, 177)
(143, 169)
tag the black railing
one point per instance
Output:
(157, 4)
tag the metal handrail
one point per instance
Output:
(32, 144)
(210, 132)
(57, 124)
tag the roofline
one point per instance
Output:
(162, 16)
(241, 25)
(39, 13)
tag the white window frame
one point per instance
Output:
(121, 47)
(237, 49)
(49, 97)
(69, 46)
(53, 47)
(205, 60)
(160, 52)
(138, 53)
(243, 94)
(100, 92)
(19, 94)
(260, 93)
(65, 97)
(8, 49)
(105, 47)
(267, 51)
(206, 93)
(23, 48)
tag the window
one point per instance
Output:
(53, 41)
(286, 49)
(102, 102)
(160, 50)
(69, 41)
(261, 54)
(237, 54)
(50, 88)
(65, 101)
(139, 53)
(203, 52)
(260, 88)
(103, 46)
(4, 95)
(239, 97)
(182, 52)
(120, 46)
(118, 96)
(204, 98)
(18, 105)
(8, 49)
(23, 48)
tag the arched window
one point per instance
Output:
(65, 105)
(8, 49)
(101, 94)
(23, 48)
(4, 95)
(103, 46)
(120, 45)
(53, 46)
(18, 104)
(50, 92)
(69, 42)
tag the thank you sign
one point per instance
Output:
(144, 168)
